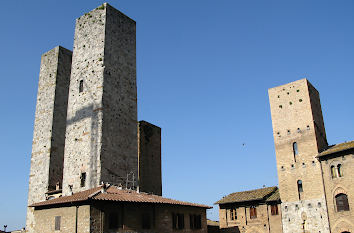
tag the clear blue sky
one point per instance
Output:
(204, 68)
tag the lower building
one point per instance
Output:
(337, 164)
(112, 209)
(251, 211)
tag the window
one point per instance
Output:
(253, 212)
(146, 223)
(342, 202)
(295, 150)
(299, 188)
(178, 221)
(113, 220)
(57, 223)
(274, 209)
(83, 179)
(233, 214)
(333, 171)
(81, 86)
(339, 168)
(195, 221)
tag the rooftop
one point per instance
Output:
(337, 148)
(264, 194)
(113, 193)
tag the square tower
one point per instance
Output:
(47, 157)
(149, 150)
(299, 135)
(101, 138)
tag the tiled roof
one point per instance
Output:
(113, 193)
(337, 148)
(251, 195)
(274, 197)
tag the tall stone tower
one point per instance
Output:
(46, 172)
(149, 150)
(299, 135)
(101, 134)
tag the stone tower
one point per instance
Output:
(101, 134)
(46, 172)
(149, 149)
(299, 135)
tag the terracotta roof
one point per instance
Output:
(337, 148)
(274, 197)
(251, 195)
(113, 193)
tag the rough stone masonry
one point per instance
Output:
(86, 129)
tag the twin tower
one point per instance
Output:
(86, 130)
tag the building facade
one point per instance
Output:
(337, 163)
(86, 131)
(112, 209)
(251, 211)
(299, 136)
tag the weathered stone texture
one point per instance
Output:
(49, 127)
(340, 221)
(45, 219)
(149, 149)
(101, 137)
(297, 117)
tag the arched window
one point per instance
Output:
(339, 168)
(333, 171)
(342, 202)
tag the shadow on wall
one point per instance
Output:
(229, 230)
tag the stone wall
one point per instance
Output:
(149, 150)
(95, 218)
(340, 221)
(297, 118)
(101, 139)
(264, 223)
(45, 219)
(49, 127)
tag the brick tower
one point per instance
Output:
(299, 135)
(46, 172)
(101, 134)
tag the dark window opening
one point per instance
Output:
(113, 222)
(233, 214)
(339, 168)
(299, 188)
(57, 223)
(178, 221)
(195, 221)
(342, 202)
(81, 86)
(253, 212)
(146, 221)
(274, 209)
(83, 179)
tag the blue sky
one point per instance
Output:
(204, 68)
